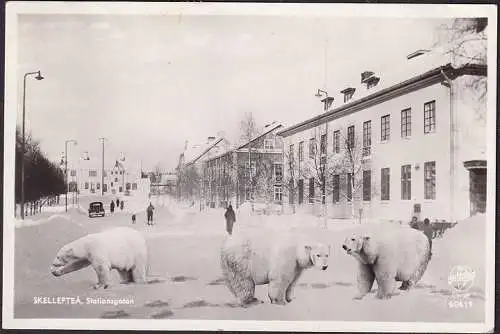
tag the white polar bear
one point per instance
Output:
(123, 249)
(247, 261)
(387, 254)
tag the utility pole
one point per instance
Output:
(66, 170)
(102, 169)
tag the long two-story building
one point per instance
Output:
(250, 172)
(394, 145)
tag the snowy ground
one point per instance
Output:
(184, 247)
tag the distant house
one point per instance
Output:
(189, 169)
(164, 183)
(252, 171)
(87, 177)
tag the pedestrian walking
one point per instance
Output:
(117, 202)
(112, 207)
(133, 219)
(149, 212)
(230, 219)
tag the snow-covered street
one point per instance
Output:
(184, 253)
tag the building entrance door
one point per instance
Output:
(477, 185)
(477, 193)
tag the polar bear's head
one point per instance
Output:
(314, 255)
(70, 258)
(355, 245)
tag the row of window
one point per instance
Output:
(97, 185)
(385, 185)
(385, 133)
(93, 173)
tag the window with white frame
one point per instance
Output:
(406, 182)
(268, 144)
(385, 127)
(323, 144)
(367, 185)
(73, 172)
(350, 137)
(367, 137)
(385, 185)
(278, 195)
(92, 173)
(312, 148)
(336, 189)
(430, 180)
(349, 186)
(406, 123)
(336, 141)
(278, 172)
(291, 154)
(430, 117)
(301, 151)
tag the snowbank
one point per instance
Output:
(30, 222)
(462, 245)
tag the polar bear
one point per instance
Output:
(247, 261)
(388, 254)
(123, 249)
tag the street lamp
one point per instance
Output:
(66, 167)
(38, 77)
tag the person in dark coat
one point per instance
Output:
(117, 202)
(133, 219)
(112, 207)
(149, 212)
(230, 219)
(427, 229)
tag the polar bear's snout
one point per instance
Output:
(319, 257)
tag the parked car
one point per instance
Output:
(96, 209)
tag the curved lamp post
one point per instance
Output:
(38, 77)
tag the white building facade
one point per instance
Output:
(87, 179)
(418, 148)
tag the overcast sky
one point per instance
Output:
(148, 83)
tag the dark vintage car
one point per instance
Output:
(96, 209)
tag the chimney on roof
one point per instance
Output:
(369, 78)
(327, 101)
(366, 75)
(210, 139)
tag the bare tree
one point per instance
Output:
(249, 130)
(323, 165)
(189, 182)
(350, 163)
(465, 40)
(291, 175)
